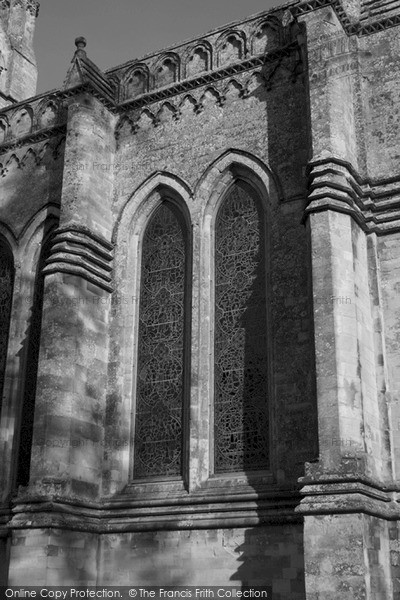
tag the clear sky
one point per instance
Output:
(120, 30)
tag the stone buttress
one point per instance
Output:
(297, 107)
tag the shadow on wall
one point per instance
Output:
(22, 204)
(4, 558)
(269, 555)
(273, 554)
(29, 359)
(266, 554)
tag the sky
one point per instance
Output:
(121, 30)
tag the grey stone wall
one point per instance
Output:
(301, 105)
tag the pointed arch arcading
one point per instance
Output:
(141, 203)
(141, 71)
(236, 164)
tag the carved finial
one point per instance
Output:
(80, 43)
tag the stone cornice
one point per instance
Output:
(375, 26)
(32, 138)
(196, 513)
(80, 252)
(360, 28)
(207, 78)
(349, 504)
(85, 523)
(349, 497)
(211, 39)
(200, 510)
(311, 5)
(335, 185)
(142, 100)
(344, 492)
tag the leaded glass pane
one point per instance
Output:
(241, 384)
(6, 290)
(160, 373)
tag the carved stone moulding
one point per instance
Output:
(267, 36)
(352, 27)
(135, 81)
(209, 77)
(176, 513)
(36, 119)
(231, 47)
(166, 70)
(335, 185)
(259, 37)
(198, 58)
(32, 6)
(80, 252)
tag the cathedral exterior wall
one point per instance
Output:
(228, 556)
(291, 115)
(379, 98)
(388, 268)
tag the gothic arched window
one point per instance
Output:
(6, 293)
(241, 422)
(31, 372)
(163, 346)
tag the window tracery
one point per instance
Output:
(241, 430)
(162, 347)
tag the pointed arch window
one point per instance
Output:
(163, 346)
(31, 371)
(6, 294)
(241, 415)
